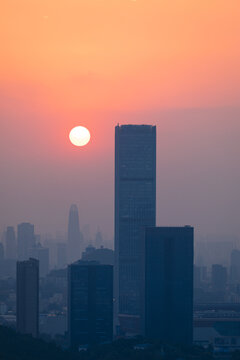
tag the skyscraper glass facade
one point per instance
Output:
(135, 208)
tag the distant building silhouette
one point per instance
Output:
(10, 242)
(167, 293)
(61, 255)
(74, 235)
(1, 252)
(200, 277)
(135, 208)
(26, 240)
(235, 267)
(90, 303)
(219, 278)
(98, 239)
(103, 255)
(28, 296)
(42, 255)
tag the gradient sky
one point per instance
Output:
(99, 62)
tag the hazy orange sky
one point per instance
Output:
(173, 63)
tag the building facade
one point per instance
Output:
(135, 208)
(90, 303)
(28, 297)
(167, 293)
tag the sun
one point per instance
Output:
(79, 136)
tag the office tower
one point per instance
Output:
(61, 255)
(11, 246)
(42, 255)
(135, 208)
(90, 303)
(74, 235)
(235, 266)
(167, 293)
(219, 278)
(26, 240)
(27, 296)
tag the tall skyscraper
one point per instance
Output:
(167, 293)
(11, 246)
(28, 296)
(90, 303)
(135, 208)
(74, 235)
(26, 240)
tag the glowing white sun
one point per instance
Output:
(79, 136)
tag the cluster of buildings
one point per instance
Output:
(218, 283)
(148, 290)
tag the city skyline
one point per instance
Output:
(119, 158)
(174, 65)
(195, 187)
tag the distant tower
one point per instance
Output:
(98, 239)
(42, 255)
(11, 246)
(26, 240)
(27, 296)
(74, 235)
(235, 266)
(1, 252)
(61, 255)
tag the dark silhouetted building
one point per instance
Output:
(135, 208)
(167, 293)
(26, 240)
(74, 235)
(90, 303)
(102, 255)
(11, 246)
(28, 296)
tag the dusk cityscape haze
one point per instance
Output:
(119, 186)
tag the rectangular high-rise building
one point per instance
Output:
(28, 297)
(167, 293)
(90, 303)
(25, 240)
(135, 208)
